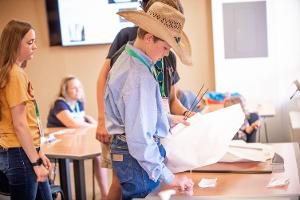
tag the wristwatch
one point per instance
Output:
(38, 162)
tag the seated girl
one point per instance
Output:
(68, 111)
(248, 130)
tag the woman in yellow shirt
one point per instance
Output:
(21, 158)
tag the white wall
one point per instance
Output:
(265, 79)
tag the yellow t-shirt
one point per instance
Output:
(18, 90)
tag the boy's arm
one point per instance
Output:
(140, 126)
(176, 107)
(143, 120)
(101, 132)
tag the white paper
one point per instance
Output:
(278, 182)
(205, 141)
(240, 151)
(208, 182)
(166, 194)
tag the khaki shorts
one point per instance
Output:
(105, 156)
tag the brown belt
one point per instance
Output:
(122, 137)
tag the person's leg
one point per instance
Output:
(44, 191)
(101, 176)
(115, 188)
(134, 181)
(20, 174)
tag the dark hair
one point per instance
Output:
(146, 4)
(141, 34)
(10, 40)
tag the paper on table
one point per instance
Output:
(205, 141)
(278, 182)
(240, 151)
(208, 182)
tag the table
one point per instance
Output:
(252, 185)
(76, 145)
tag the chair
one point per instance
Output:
(55, 190)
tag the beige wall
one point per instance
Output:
(50, 64)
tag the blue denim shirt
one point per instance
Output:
(133, 105)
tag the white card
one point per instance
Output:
(208, 182)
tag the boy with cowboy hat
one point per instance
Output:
(133, 105)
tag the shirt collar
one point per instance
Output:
(140, 53)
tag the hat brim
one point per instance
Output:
(154, 27)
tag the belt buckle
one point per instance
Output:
(121, 137)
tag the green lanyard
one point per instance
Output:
(152, 69)
(38, 119)
(161, 82)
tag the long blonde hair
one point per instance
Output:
(10, 41)
(64, 88)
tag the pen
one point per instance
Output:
(195, 102)
(187, 113)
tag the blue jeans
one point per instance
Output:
(15, 164)
(134, 180)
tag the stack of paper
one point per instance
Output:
(240, 151)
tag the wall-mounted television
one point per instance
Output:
(86, 22)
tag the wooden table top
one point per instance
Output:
(252, 185)
(77, 144)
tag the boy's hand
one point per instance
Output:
(102, 134)
(183, 184)
(178, 119)
(192, 113)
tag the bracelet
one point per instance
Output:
(185, 112)
(38, 162)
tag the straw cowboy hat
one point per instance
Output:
(166, 23)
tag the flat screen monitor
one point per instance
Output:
(86, 22)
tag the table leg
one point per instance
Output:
(266, 133)
(79, 178)
(64, 175)
(258, 134)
